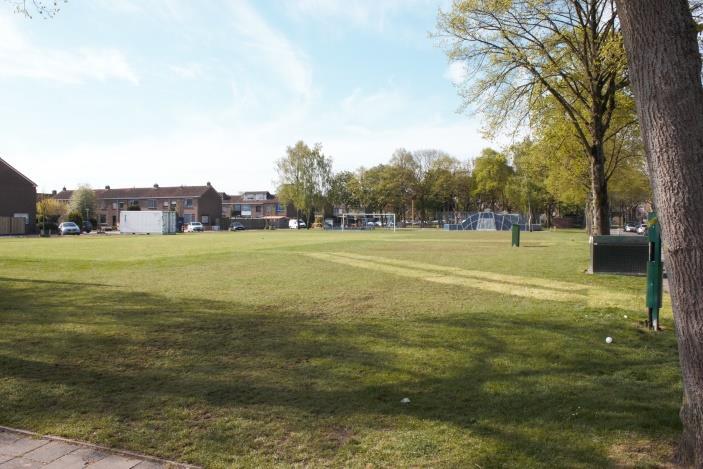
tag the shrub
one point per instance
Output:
(76, 218)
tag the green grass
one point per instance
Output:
(295, 348)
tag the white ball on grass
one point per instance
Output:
(608, 340)
(405, 400)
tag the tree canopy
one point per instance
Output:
(523, 56)
(304, 177)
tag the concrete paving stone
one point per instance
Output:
(77, 459)
(51, 451)
(8, 437)
(21, 446)
(150, 465)
(21, 463)
(115, 462)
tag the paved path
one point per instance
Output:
(19, 449)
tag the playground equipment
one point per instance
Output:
(491, 221)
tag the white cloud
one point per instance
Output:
(286, 61)
(189, 71)
(371, 14)
(457, 73)
(21, 58)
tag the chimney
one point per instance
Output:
(156, 186)
(107, 188)
(208, 184)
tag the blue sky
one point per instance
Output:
(135, 92)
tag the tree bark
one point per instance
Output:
(599, 192)
(665, 71)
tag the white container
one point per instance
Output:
(147, 222)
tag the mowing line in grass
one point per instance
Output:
(525, 287)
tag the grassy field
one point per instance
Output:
(295, 348)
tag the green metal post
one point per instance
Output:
(516, 235)
(655, 271)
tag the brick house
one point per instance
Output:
(255, 204)
(191, 203)
(18, 195)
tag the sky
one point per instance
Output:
(129, 93)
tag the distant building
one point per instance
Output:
(18, 196)
(191, 203)
(255, 204)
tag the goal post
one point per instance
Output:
(368, 221)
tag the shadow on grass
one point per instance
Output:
(171, 376)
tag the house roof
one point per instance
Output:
(5, 163)
(175, 192)
(238, 199)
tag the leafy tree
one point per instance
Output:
(406, 171)
(341, 190)
(83, 201)
(490, 177)
(463, 183)
(665, 69)
(527, 187)
(49, 211)
(76, 217)
(525, 50)
(427, 164)
(304, 176)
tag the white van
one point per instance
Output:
(295, 224)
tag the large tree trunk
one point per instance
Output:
(599, 192)
(665, 70)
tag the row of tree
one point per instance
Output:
(534, 177)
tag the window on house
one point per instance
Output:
(103, 218)
(258, 209)
(133, 202)
(114, 206)
(166, 204)
(152, 203)
(205, 219)
(121, 204)
(237, 207)
(189, 203)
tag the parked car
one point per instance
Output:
(641, 229)
(87, 226)
(194, 226)
(236, 226)
(630, 227)
(69, 228)
(296, 224)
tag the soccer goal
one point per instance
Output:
(368, 221)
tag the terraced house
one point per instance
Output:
(255, 204)
(191, 203)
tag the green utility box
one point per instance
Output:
(655, 271)
(516, 235)
(619, 255)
